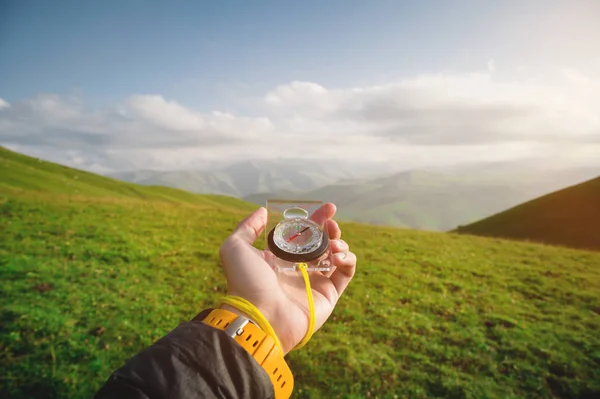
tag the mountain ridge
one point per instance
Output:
(568, 217)
(432, 200)
(246, 177)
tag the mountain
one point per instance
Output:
(201, 182)
(434, 200)
(248, 177)
(569, 217)
(93, 270)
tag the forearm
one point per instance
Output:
(193, 360)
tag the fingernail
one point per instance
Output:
(340, 255)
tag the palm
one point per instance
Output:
(282, 297)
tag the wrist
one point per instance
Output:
(284, 333)
(235, 310)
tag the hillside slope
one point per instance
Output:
(20, 172)
(89, 278)
(569, 217)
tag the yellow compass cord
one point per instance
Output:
(245, 306)
(311, 306)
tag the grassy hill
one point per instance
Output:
(93, 270)
(569, 217)
(22, 173)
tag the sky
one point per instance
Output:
(124, 85)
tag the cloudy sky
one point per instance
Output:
(116, 85)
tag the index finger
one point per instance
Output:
(324, 213)
(250, 228)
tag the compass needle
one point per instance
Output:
(297, 234)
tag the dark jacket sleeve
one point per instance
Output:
(192, 361)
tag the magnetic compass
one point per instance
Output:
(297, 238)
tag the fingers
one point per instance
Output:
(345, 262)
(339, 245)
(325, 212)
(336, 245)
(333, 230)
(249, 229)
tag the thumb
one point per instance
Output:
(249, 229)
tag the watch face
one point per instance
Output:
(298, 236)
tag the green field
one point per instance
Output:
(93, 270)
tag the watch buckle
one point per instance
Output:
(237, 326)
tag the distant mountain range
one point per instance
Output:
(434, 200)
(244, 178)
(569, 217)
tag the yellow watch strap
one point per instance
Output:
(259, 345)
(253, 313)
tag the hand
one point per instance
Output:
(282, 299)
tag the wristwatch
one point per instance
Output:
(259, 345)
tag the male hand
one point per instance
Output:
(282, 299)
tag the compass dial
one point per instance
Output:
(298, 236)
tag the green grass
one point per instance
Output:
(88, 280)
(569, 217)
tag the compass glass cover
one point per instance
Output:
(295, 236)
(298, 236)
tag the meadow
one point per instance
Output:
(93, 270)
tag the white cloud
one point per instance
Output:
(449, 109)
(491, 65)
(416, 121)
(163, 114)
(139, 122)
